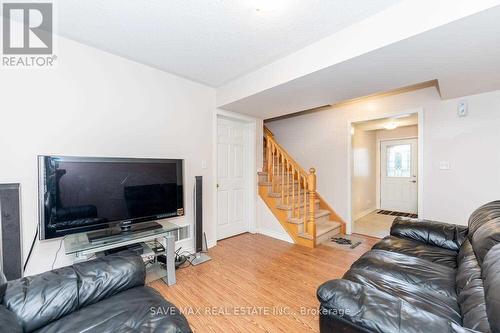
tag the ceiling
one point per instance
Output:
(208, 41)
(379, 124)
(463, 56)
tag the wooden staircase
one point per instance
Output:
(290, 193)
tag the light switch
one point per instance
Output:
(203, 164)
(444, 165)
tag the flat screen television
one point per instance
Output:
(80, 194)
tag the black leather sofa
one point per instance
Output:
(101, 295)
(425, 277)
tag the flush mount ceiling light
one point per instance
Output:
(390, 126)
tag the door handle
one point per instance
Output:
(413, 181)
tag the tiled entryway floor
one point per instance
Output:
(373, 224)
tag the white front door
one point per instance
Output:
(232, 180)
(398, 175)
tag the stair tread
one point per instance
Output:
(268, 183)
(304, 235)
(319, 213)
(289, 207)
(323, 228)
(278, 195)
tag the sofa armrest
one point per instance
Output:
(8, 320)
(444, 235)
(347, 306)
(104, 277)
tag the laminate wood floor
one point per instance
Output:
(255, 283)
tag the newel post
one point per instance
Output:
(311, 191)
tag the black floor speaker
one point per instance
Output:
(10, 231)
(198, 213)
(199, 236)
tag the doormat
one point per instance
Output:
(388, 212)
(345, 242)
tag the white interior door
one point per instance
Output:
(398, 176)
(232, 179)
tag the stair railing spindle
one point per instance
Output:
(311, 190)
(282, 178)
(287, 183)
(304, 217)
(292, 171)
(273, 178)
(299, 180)
(268, 159)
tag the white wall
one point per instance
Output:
(364, 176)
(470, 144)
(268, 224)
(97, 104)
(397, 133)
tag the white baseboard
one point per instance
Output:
(211, 243)
(364, 213)
(277, 235)
(188, 246)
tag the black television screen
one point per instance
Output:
(79, 194)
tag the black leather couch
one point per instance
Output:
(101, 295)
(425, 277)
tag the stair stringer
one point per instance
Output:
(269, 225)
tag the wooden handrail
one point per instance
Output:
(267, 131)
(270, 137)
(295, 186)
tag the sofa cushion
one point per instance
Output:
(3, 285)
(421, 298)
(414, 248)
(347, 306)
(40, 299)
(9, 320)
(411, 270)
(141, 309)
(470, 290)
(484, 229)
(101, 278)
(485, 237)
(491, 278)
(444, 235)
(482, 215)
